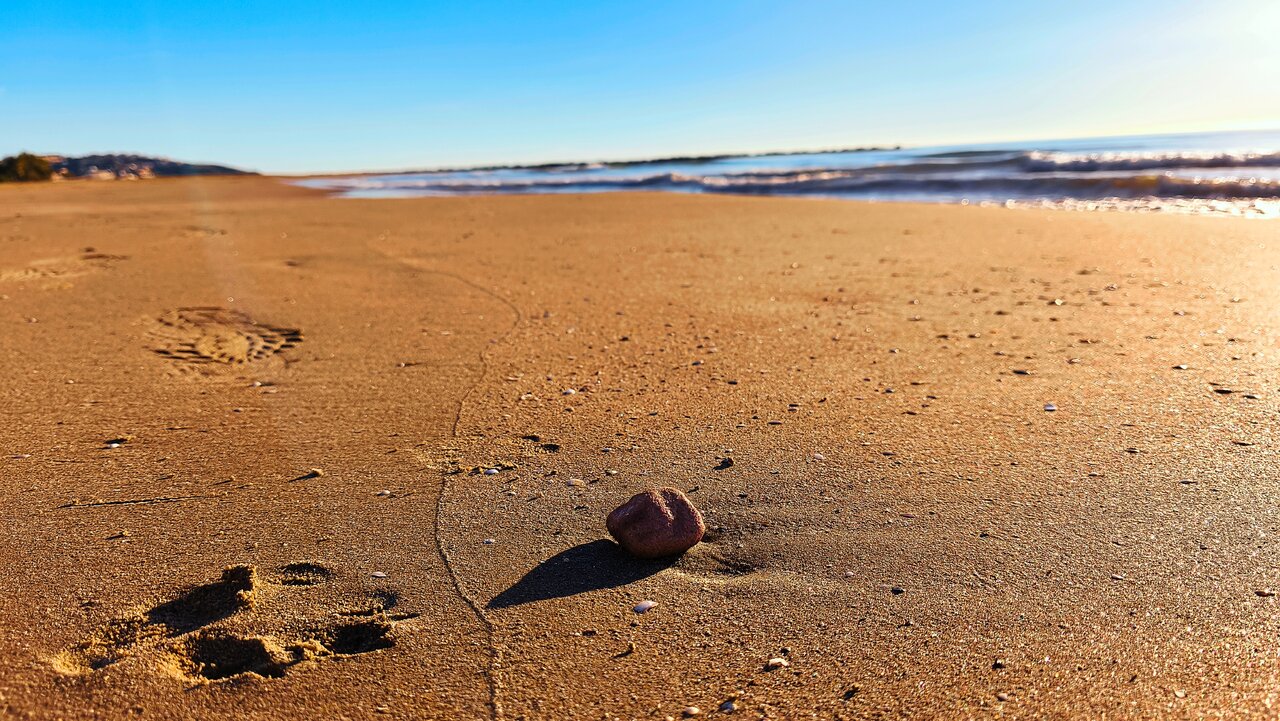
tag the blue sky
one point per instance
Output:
(325, 86)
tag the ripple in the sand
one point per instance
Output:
(714, 565)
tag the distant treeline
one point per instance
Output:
(24, 167)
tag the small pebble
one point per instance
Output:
(897, 590)
(691, 711)
(568, 391)
(1265, 593)
(378, 574)
(489, 541)
(644, 606)
(491, 471)
(777, 662)
(1049, 407)
(1002, 697)
(728, 707)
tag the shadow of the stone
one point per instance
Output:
(586, 567)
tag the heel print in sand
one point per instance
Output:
(55, 269)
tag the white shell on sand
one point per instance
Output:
(644, 606)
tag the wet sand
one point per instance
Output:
(214, 374)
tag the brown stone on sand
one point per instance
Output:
(657, 523)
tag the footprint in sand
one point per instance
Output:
(53, 269)
(203, 232)
(713, 565)
(240, 625)
(193, 609)
(212, 340)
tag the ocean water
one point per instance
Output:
(1235, 173)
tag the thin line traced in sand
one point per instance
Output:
(491, 673)
(132, 502)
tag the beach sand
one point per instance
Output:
(904, 524)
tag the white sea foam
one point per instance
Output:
(1205, 173)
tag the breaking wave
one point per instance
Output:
(1138, 168)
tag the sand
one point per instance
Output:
(238, 374)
